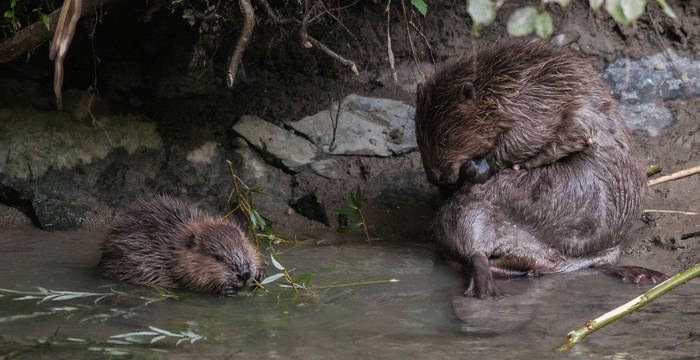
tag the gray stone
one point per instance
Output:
(652, 80)
(366, 126)
(328, 168)
(650, 117)
(647, 84)
(292, 150)
(33, 141)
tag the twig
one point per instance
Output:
(672, 212)
(248, 25)
(690, 235)
(334, 55)
(241, 206)
(674, 176)
(260, 286)
(425, 39)
(272, 15)
(336, 119)
(364, 226)
(354, 284)
(410, 38)
(575, 336)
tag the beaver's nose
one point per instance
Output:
(245, 275)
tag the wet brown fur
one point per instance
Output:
(169, 244)
(538, 105)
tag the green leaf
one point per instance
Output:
(304, 278)
(257, 190)
(420, 5)
(271, 278)
(9, 14)
(350, 227)
(543, 25)
(353, 206)
(633, 8)
(595, 4)
(276, 261)
(563, 3)
(347, 212)
(253, 220)
(482, 12)
(667, 9)
(614, 8)
(521, 22)
(358, 197)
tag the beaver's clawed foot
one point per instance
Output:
(633, 274)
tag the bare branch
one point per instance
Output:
(334, 55)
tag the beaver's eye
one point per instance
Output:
(218, 258)
(443, 141)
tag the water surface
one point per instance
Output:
(421, 316)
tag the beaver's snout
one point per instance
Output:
(475, 171)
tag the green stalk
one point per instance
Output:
(575, 336)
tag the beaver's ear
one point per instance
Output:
(466, 93)
(191, 241)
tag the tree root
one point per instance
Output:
(307, 41)
(248, 25)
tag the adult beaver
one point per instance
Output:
(166, 243)
(540, 171)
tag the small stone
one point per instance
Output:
(659, 65)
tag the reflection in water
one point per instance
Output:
(422, 316)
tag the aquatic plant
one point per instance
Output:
(44, 295)
(355, 208)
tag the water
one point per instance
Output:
(422, 316)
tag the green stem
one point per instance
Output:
(575, 336)
(364, 225)
(354, 284)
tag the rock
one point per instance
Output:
(57, 167)
(275, 184)
(651, 82)
(309, 207)
(33, 141)
(366, 126)
(204, 154)
(650, 117)
(291, 150)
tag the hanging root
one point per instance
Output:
(65, 29)
(248, 25)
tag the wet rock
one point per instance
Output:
(292, 151)
(59, 214)
(366, 126)
(652, 80)
(309, 207)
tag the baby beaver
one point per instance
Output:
(536, 162)
(166, 243)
